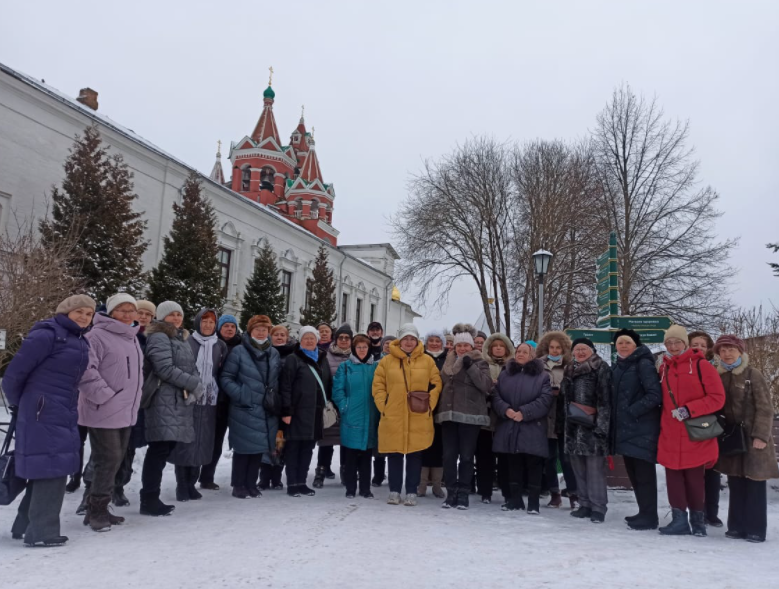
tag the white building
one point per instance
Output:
(37, 127)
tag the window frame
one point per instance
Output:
(224, 269)
(286, 289)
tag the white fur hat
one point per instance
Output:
(464, 338)
(408, 329)
(308, 329)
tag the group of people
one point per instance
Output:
(461, 412)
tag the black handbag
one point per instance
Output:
(271, 402)
(582, 415)
(734, 439)
(11, 485)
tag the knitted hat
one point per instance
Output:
(75, 302)
(531, 343)
(583, 340)
(326, 324)
(463, 327)
(678, 332)
(259, 321)
(224, 319)
(729, 340)
(308, 329)
(278, 328)
(439, 333)
(463, 338)
(387, 338)
(628, 333)
(449, 337)
(345, 329)
(481, 334)
(119, 299)
(375, 325)
(408, 329)
(166, 308)
(146, 306)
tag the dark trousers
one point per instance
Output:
(525, 470)
(83, 433)
(712, 480)
(208, 470)
(38, 517)
(459, 443)
(324, 457)
(153, 464)
(357, 461)
(413, 463)
(551, 480)
(503, 474)
(297, 458)
(643, 477)
(747, 510)
(686, 488)
(125, 472)
(246, 469)
(270, 474)
(379, 466)
(485, 464)
(109, 447)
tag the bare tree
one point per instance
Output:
(33, 281)
(670, 260)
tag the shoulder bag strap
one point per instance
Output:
(747, 395)
(403, 370)
(319, 380)
(9, 436)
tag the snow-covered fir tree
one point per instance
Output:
(95, 201)
(189, 272)
(320, 293)
(263, 294)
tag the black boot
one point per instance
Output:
(182, 483)
(679, 525)
(515, 501)
(193, 474)
(118, 498)
(74, 483)
(698, 523)
(82, 507)
(451, 499)
(151, 504)
(265, 476)
(582, 513)
(319, 477)
(462, 498)
(48, 543)
(643, 522)
(329, 474)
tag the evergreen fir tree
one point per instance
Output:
(94, 206)
(189, 272)
(263, 290)
(320, 293)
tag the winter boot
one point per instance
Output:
(597, 517)
(182, 483)
(451, 500)
(151, 504)
(679, 525)
(118, 498)
(319, 477)
(631, 518)
(462, 499)
(574, 501)
(329, 474)
(306, 490)
(556, 501)
(424, 481)
(436, 477)
(643, 522)
(697, 522)
(240, 492)
(533, 502)
(713, 521)
(98, 513)
(48, 543)
(293, 490)
(193, 474)
(582, 513)
(84, 505)
(73, 484)
(515, 501)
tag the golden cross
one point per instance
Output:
(270, 78)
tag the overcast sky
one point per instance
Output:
(389, 84)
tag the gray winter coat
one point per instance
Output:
(170, 359)
(588, 383)
(524, 388)
(464, 395)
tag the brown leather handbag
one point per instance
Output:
(418, 401)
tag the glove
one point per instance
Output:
(198, 392)
(467, 361)
(681, 413)
(190, 400)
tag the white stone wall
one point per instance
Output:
(36, 130)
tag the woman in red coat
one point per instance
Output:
(697, 390)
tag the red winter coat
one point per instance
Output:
(702, 393)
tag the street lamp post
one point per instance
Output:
(541, 260)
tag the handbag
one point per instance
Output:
(418, 401)
(151, 384)
(734, 441)
(329, 414)
(10, 484)
(582, 415)
(271, 402)
(699, 429)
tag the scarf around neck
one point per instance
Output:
(730, 367)
(313, 354)
(205, 366)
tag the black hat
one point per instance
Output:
(345, 329)
(375, 325)
(481, 334)
(583, 340)
(629, 333)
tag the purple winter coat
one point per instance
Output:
(110, 390)
(42, 380)
(524, 388)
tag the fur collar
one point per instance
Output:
(562, 338)
(532, 368)
(453, 364)
(736, 371)
(488, 344)
(592, 364)
(167, 328)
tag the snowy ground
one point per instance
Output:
(329, 541)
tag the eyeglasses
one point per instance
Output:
(344, 337)
(125, 311)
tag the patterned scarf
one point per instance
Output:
(205, 366)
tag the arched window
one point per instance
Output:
(314, 209)
(267, 177)
(246, 178)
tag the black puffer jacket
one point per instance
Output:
(636, 401)
(302, 396)
(588, 383)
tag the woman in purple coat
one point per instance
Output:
(41, 384)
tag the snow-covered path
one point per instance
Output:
(328, 541)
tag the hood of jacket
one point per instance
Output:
(167, 328)
(103, 322)
(61, 325)
(532, 368)
(640, 352)
(355, 360)
(542, 349)
(488, 344)
(199, 316)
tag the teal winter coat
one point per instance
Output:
(353, 395)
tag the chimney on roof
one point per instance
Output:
(88, 97)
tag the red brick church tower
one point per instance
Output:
(285, 177)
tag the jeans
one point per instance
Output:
(109, 447)
(38, 517)
(590, 474)
(153, 464)
(460, 441)
(208, 470)
(297, 457)
(413, 463)
(246, 469)
(747, 510)
(485, 464)
(357, 461)
(686, 488)
(643, 477)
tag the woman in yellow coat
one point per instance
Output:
(404, 433)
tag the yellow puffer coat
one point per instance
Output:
(401, 430)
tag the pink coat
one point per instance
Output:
(110, 390)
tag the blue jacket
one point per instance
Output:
(353, 395)
(42, 380)
(246, 375)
